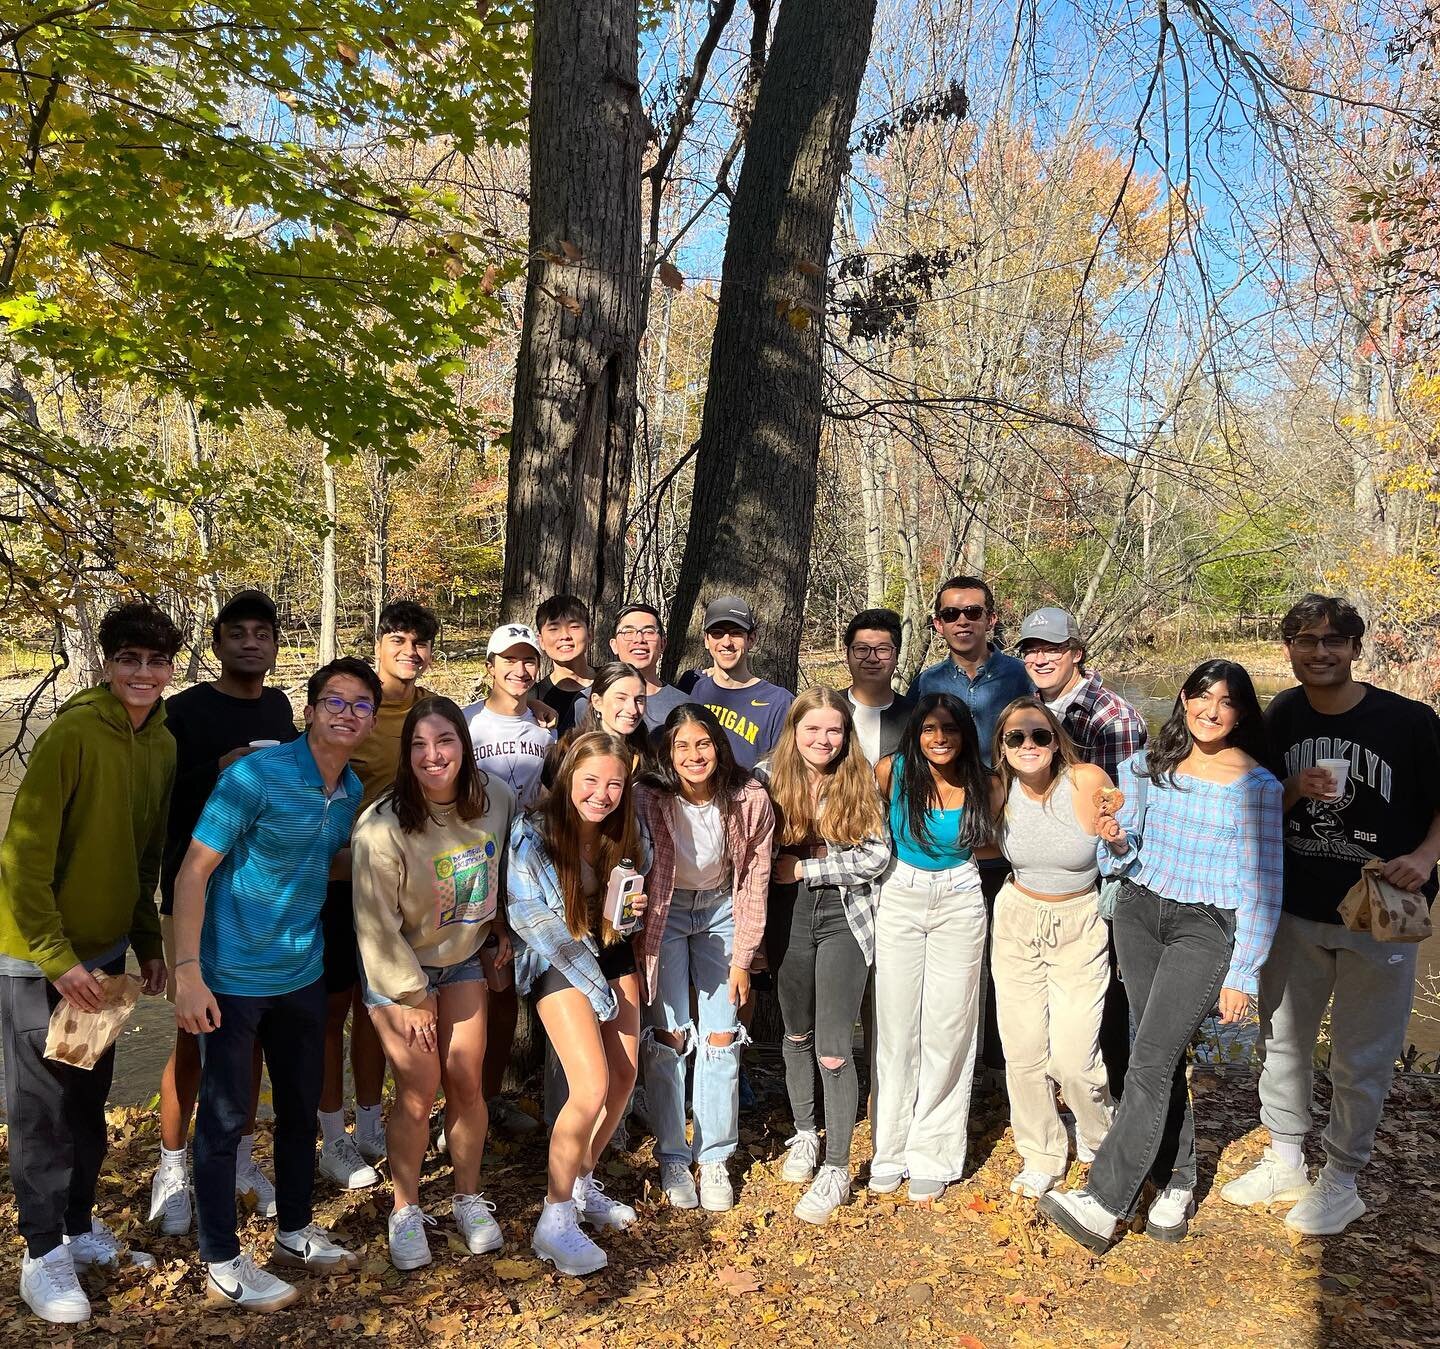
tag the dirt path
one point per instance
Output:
(973, 1270)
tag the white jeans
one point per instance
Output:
(929, 943)
(1051, 963)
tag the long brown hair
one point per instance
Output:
(849, 806)
(407, 798)
(606, 677)
(559, 830)
(1065, 757)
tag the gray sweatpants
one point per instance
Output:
(1373, 985)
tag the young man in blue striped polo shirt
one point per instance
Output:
(249, 965)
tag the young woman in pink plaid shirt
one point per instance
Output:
(711, 827)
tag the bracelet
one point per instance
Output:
(189, 960)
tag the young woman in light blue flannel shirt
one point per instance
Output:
(1198, 843)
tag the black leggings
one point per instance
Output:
(820, 979)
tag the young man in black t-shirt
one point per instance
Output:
(1386, 806)
(562, 623)
(214, 724)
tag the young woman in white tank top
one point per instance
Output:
(1049, 955)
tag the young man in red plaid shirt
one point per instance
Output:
(1107, 731)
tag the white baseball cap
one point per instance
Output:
(508, 636)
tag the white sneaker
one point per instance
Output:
(678, 1185)
(1328, 1209)
(341, 1162)
(716, 1193)
(474, 1216)
(1032, 1183)
(409, 1248)
(1269, 1181)
(241, 1283)
(1170, 1214)
(51, 1289)
(829, 1189)
(801, 1159)
(510, 1119)
(313, 1247)
(559, 1240)
(250, 1179)
(1081, 1217)
(594, 1206)
(98, 1246)
(170, 1200)
(371, 1149)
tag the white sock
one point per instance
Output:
(369, 1123)
(1345, 1178)
(1292, 1154)
(243, 1150)
(172, 1158)
(332, 1125)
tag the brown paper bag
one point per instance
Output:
(1385, 911)
(80, 1038)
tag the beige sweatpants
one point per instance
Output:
(1051, 966)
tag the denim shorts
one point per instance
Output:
(436, 977)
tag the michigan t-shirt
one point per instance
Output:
(1391, 795)
(752, 717)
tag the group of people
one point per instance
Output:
(1034, 886)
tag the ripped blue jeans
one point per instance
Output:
(699, 940)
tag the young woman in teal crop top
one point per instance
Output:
(929, 943)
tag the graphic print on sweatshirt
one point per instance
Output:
(464, 891)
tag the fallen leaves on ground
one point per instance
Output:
(978, 1269)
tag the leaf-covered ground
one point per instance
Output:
(974, 1269)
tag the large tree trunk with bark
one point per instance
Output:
(574, 421)
(755, 470)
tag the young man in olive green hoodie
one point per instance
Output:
(78, 870)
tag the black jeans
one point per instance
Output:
(56, 1114)
(820, 980)
(291, 1031)
(1182, 952)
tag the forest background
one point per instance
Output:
(1130, 307)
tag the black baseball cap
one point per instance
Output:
(729, 609)
(248, 604)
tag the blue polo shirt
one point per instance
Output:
(996, 685)
(279, 830)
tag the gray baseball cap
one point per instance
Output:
(1049, 625)
(729, 609)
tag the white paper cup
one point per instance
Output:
(1339, 770)
(263, 744)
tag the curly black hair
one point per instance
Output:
(138, 624)
(408, 616)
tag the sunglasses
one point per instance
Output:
(1042, 737)
(952, 614)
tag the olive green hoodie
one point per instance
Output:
(81, 857)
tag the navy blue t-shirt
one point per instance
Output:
(752, 717)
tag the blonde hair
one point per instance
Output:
(619, 836)
(1062, 761)
(848, 809)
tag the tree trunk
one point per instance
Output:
(381, 508)
(755, 471)
(329, 646)
(573, 428)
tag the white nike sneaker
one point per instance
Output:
(678, 1185)
(313, 1247)
(1031, 1183)
(803, 1154)
(829, 1189)
(98, 1246)
(594, 1206)
(250, 1179)
(409, 1247)
(170, 1200)
(559, 1240)
(51, 1289)
(241, 1283)
(340, 1161)
(474, 1216)
(717, 1195)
